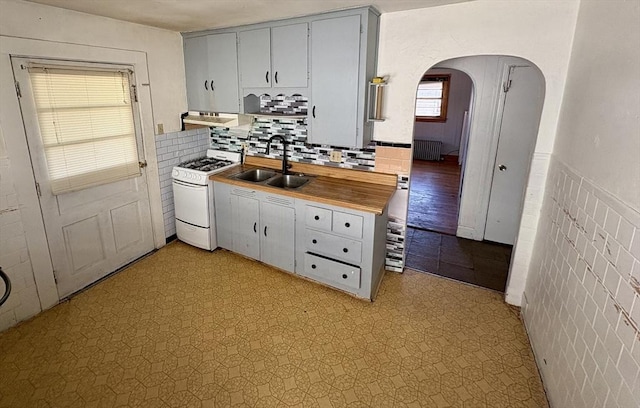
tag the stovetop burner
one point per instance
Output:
(205, 164)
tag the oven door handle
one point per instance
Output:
(184, 183)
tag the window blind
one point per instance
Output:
(429, 98)
(86, 124)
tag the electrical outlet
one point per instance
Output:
(160, 128)
(336, 156)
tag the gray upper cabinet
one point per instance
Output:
(274, 57)
(289, 55)
(212, 73)
(335, 58)
(343, 59)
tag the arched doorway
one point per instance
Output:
(503, 116)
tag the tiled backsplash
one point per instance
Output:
(284, 105)
(174, 148)
(582, 298)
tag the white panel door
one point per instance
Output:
(277, 236)
(90, 232)
(246, 226)
(518, 132)
(335, 59)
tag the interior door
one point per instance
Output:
(518, 131)
(277, 236)
(93, 231)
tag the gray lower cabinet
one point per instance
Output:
(211, 69)
(343, 58)
(274, 57)
(255, 224)
(340, 247)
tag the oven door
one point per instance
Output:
(191, 203)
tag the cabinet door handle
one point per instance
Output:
(205, 85)
(315, 241)
(316, 218)
(344, 276)
(265, 230)
(345, 250)
(313, 111)
(255, 227)
(212, 87)
(266, 77)
(347, 225)
(276, 77)
(313, 266)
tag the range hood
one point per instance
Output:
(227, 120)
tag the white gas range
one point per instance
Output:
(193, 197)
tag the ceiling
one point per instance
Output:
(194, 15)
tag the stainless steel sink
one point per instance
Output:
(288, 181)
(256, 175)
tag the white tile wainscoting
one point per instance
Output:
(582, 297)
(173, 148)
(14, 255)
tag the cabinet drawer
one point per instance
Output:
(319, 218)
(347, 224)
(331, 272)
(344, 249)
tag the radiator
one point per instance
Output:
(426, 149)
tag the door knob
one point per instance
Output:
(142, 164)
(502, 167)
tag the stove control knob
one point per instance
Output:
(175, 173)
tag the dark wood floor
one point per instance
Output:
(480, 263)
(433, 220)
(433, 195)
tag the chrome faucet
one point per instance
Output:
(285, 165)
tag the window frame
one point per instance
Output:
(446, 81)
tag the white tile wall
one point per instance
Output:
(14, 255)
(174, 148)
(582, 298)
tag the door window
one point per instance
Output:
(87, 125)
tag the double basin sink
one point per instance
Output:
(272, 178)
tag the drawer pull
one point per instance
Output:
(317, 217)
(346, 224)
(255, 225)
(315, 241)
(345, 250)
(344, 276)
(313, 266)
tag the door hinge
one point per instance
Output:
(134, 91)
(38, 191)
(361, 29)
(55, 277)
(18, 91)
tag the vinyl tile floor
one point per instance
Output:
(189, 328)
(480, 263)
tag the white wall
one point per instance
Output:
(163, 48)
(582, 302)
(539, 31)
(458, 102)
(33, 30)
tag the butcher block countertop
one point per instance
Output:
(354, 189)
